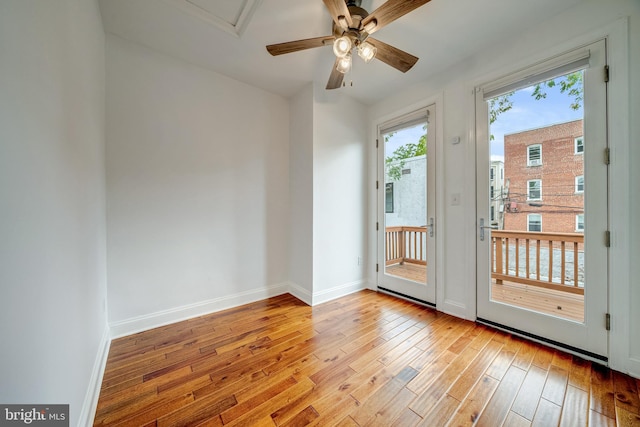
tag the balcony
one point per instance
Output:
(537, 271)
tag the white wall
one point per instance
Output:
(339, 194)
(52, 203)
(198, 189)
(301, 194)
(581, 24)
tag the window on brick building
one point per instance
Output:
(579, 144)
(534, 155)
(534, 189)
(491, 173)
(580, 222)
(534, 222)
(580, 184)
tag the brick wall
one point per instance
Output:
(560, 166)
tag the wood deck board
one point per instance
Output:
(365, 359)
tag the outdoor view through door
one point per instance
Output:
(542, 180)
(536, 197)
(407, 227)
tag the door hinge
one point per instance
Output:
(376, 143)
(607, 156)
(377, 185)
(606, 74)
(607, 238)
(377, 226)
(607, 321)
(377, 267)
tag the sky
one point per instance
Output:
(529, 113)
(402, 137)
(526, 113)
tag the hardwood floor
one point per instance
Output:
(549, 301)
(365, 359)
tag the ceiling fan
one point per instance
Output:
(352, 26)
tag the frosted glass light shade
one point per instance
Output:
(367, 51)
(344, 64)
(342, 46)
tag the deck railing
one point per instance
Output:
(548, 260)
(406, 244)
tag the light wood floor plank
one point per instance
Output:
(362, 360)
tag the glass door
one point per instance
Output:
(406, 211)
(542, 201)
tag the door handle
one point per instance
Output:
(430, 227)
(482, 228)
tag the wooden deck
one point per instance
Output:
(364, 359)
(415, 272)
(550, 301)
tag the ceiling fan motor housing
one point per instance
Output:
(357, 15)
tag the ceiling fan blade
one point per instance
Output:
(389, 12)
(295, 46)
(398, 59)
(336, 77)
(338, 8)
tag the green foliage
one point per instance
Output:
(571, 84)
(498, 105)
(395, 162)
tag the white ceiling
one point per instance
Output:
(229, 37)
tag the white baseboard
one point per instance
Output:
(338, 291)
(177, 314)
(88, 411)
(301, 293)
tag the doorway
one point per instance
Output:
(542, 188)
(406, 206)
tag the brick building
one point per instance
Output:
(544, 179)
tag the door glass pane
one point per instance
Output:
(537, 154)
(405, 152)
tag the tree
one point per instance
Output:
(572, 84)
(395, 162)
(498, 105)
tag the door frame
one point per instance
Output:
(433, 103)
(481, 135)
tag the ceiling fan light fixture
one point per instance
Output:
(371, 25)
(342, 46)
(342, 22)
(367, 51)
(344, 64)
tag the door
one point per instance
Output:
(406, 206)
(542, 202)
